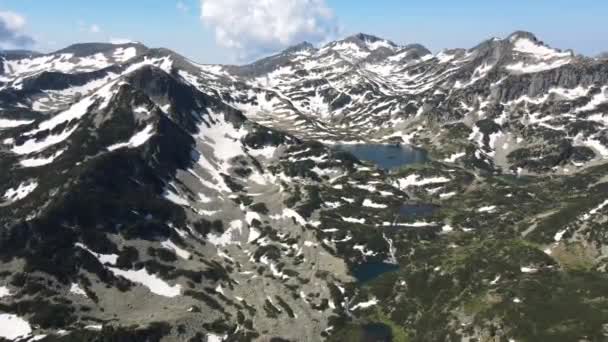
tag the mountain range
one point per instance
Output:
(146, 197)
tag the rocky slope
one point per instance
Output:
(147, 197)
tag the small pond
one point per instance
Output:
(371, 270)
(387, 157)
(376, 332)
(417, 210)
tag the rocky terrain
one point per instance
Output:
(145, 197)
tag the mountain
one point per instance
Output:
(146, 197)
(375, 89)
(17, 54)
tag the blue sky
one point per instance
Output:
(437, 24)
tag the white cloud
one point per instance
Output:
(254, 27)
(94, 28)
(12, 21)
(11, 27)
(181, 6)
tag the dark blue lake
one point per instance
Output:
(417, 210)
(371, 270)
(376, 332)
(386, 156)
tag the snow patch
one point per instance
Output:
(528, 270)
(524, 68)
(13, 327)
(76, 111)
(215, 338)
(595, 210)
(353, 220)
(447, 195)
(290, 213)
(527, 46)
(136, 140)
(155, 284)
(94, 327)
(175, 198)
(21, 192)
(37, 162)
(454, 157)
(364, 251)
(487, 209)
(77, 290)
(4, 291)
(34, 145)
(254, 234)
(103, 258)
(416, 180)
(559, 235)
(370, 204)
(364, 305)
(124, 54)
(597, 146)
(168, 244)
(228, 236)
(6, 123)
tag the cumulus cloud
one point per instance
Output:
(11, 26)
(254, 27)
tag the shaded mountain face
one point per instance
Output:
(147, 197)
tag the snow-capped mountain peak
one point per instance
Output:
(372, 42)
